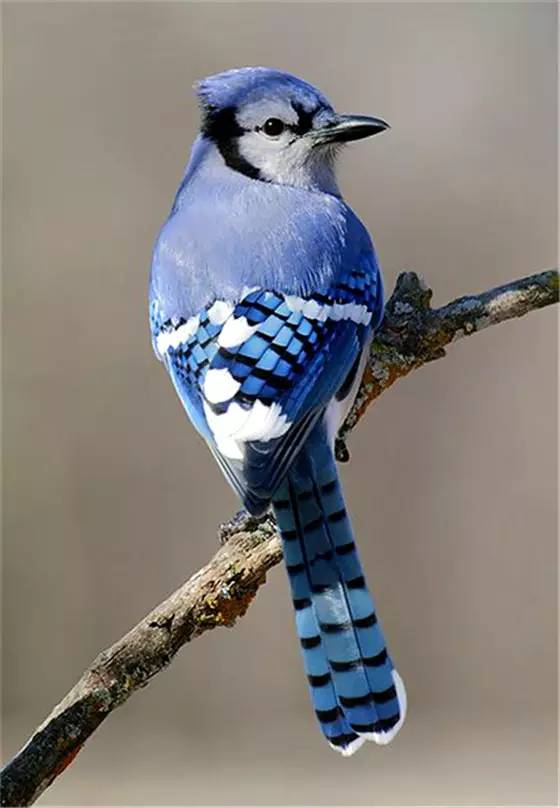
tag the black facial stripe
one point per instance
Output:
(305, 118)
(222, 128)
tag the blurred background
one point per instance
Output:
(111, 500)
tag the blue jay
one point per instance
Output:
(264, 294)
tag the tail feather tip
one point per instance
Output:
(351, 747)
(384, 738)
(380, 738)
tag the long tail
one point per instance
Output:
(356, 692)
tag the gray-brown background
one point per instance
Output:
(112, 501)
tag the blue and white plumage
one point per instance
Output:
(264, 294)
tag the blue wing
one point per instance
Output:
(255, 375)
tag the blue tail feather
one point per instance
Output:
(355, 690)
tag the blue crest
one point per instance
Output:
(245, 84)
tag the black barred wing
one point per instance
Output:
(255, 376)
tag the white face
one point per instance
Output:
(277, 139)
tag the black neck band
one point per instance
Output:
(222, 128)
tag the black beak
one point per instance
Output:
(350, 127)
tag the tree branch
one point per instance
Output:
(411, 334)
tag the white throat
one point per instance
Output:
(294, 165)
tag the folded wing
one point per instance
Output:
(256, 375)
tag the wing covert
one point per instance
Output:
(255, 375)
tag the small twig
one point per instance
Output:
(411, 334)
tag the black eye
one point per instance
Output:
(273, 127)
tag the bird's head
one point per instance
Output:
(274, 127)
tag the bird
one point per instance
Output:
(264, 294)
